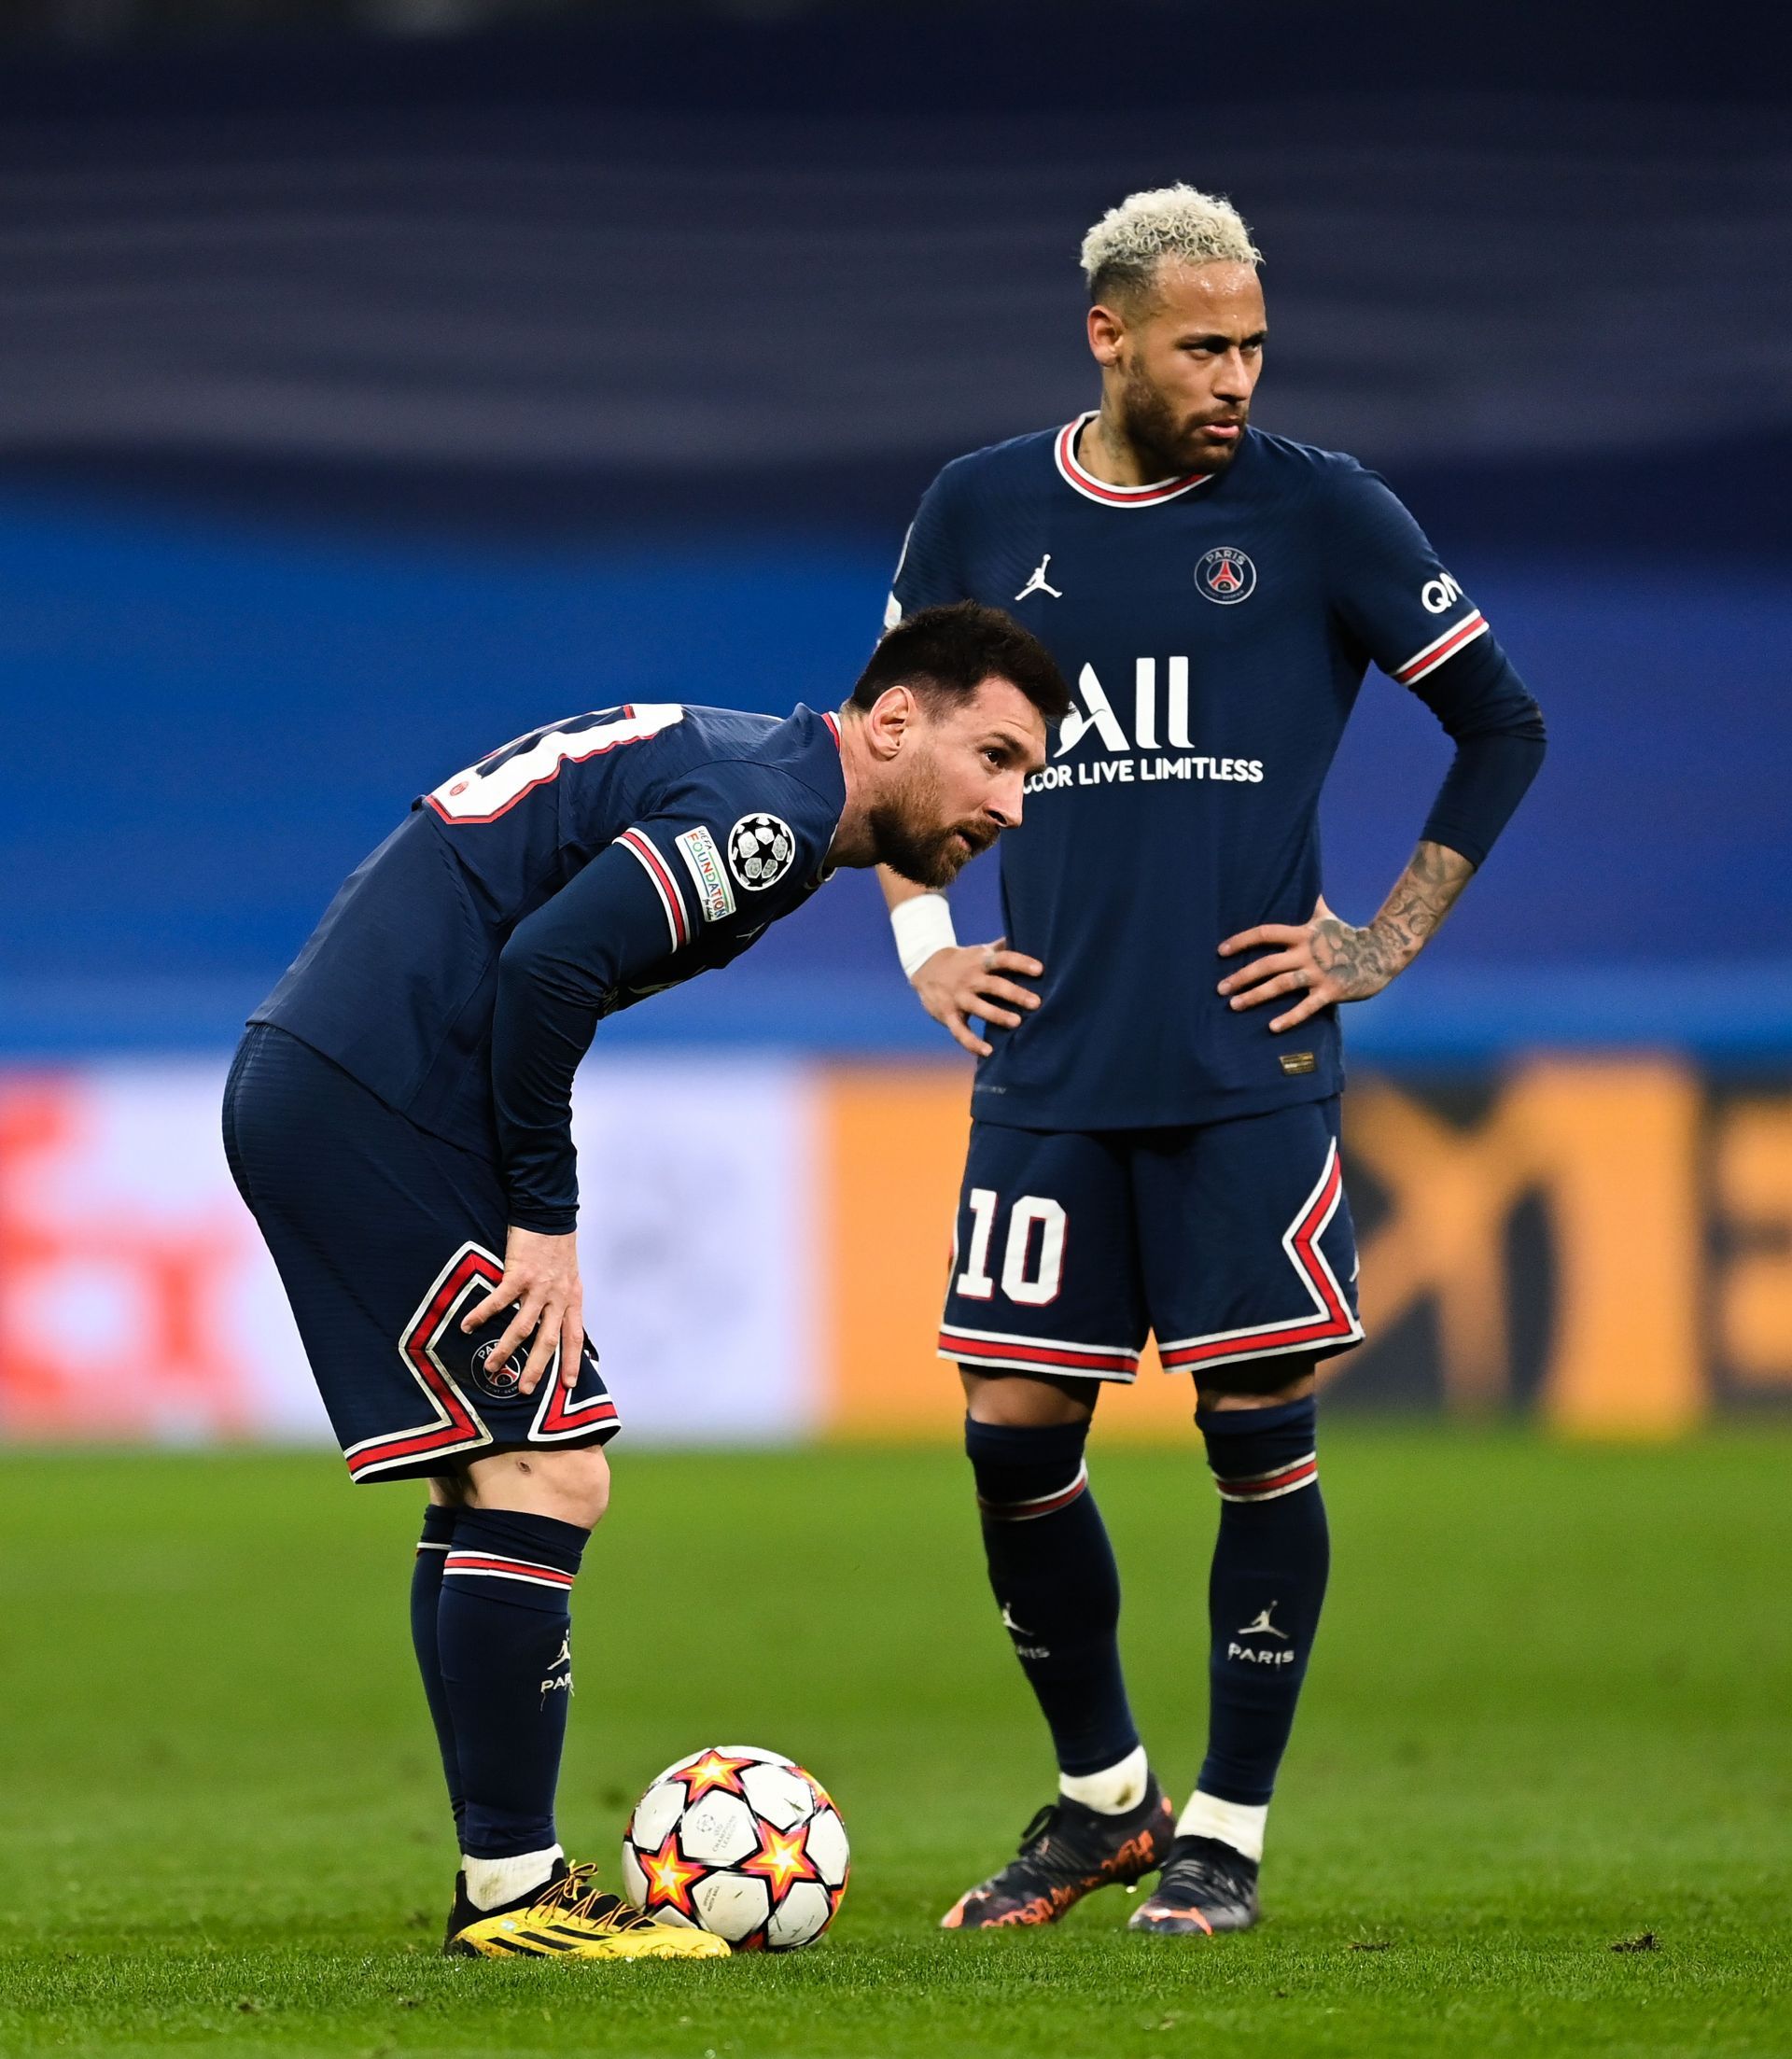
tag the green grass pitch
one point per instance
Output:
(1548, 1717)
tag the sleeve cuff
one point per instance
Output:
(642, 849)
(543, 1222)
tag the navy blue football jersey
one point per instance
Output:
(1215, 632)
(462, 968)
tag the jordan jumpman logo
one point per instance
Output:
(1264, 1625)
(1038, 583)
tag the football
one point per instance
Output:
(739, 1841)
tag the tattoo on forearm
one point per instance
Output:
(1362, 962)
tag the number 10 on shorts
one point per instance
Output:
(1032, 1258)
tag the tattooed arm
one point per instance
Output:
(1328, 960)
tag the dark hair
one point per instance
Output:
(947, 654)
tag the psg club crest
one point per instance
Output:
(1226, 575)
(496, 1382)
(760, 849)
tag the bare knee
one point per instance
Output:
(1295, 1380)
(1019, 1401)
(572, 1486)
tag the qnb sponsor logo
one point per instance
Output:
(1159, 725)
(1439, 595)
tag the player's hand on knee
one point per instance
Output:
(541, 1285)
(972, 979)
(1325, 961)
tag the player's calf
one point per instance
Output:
(1052, 1574)
(503, 1656)
(1270, 1561)
(492, 1629)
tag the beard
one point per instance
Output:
(909, 838)
(1158, 435)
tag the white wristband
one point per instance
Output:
(923, 925)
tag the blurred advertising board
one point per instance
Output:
(1603, 1241)
(137, 1302)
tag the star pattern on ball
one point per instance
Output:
(782, 1858)
(713, 1770)
(670, 1877)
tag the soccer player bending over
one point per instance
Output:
(1155, 1113)
(398, 1118)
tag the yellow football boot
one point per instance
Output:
(570, 1918)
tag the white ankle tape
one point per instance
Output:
(1234, 1823)
(492, 1882)
(1114, 1789)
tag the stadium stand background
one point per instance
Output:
(380, 380)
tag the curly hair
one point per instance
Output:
(1122, 252)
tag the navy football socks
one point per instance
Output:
(1052, 1573)
(1264, 1593)
(425, 1595)
(503, 1626)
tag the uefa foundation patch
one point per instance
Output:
(703, 861)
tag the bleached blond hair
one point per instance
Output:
(1122, 252)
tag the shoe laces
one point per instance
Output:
(1044, 1850)
(577, 1894)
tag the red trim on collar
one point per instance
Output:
(1092, 488)
(833, 727)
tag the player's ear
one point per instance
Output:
(890, 719)
(1106, 329)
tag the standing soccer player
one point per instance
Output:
(1156, 1114)
(399, 1120)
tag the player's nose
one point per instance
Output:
(1235, 379)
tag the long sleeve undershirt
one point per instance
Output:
(555, 977)
(1497, 728)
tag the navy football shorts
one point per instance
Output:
(1231, 1242)
(385, 1237)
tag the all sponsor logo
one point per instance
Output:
(703, 861)
(761, 850)
(1226, 575)
(1145, 772)
(1162, 716)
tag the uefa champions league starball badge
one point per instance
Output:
(760, 850)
